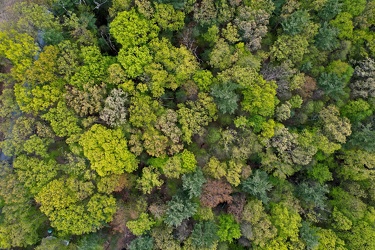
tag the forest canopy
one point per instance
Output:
(187, 124)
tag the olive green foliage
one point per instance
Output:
(187, 124)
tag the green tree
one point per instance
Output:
(312, 195)
(149, 180)
(256, 225)
(356, 110)
(228, 228)
(225, 97)
(326, 39)
(334, 127)
(35, 173)
(141, 225)
(194, 115)
(63, 120)
(181, 163)
(286, 220)
(178, 210)
(192, 183)
(296, 22)
(257, 185)
(168, 18)
(131, 29)
(204, 234)
(142, 243)
(107, 151)
(72, 207)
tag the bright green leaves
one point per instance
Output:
(260, 98)
(228, 228)
(94, 68)
(181, 163)
(132, 29)
(149, 180)
(107, 151)
(134, 59)
(19, 49)
(63, 121)
(35, 173)
(286, 220)
(141, 225)
(72, 206)
(168, 18)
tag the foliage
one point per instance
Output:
(211, 124)
(141, 225)
(179, 209)
(204, 234)
(142, 243)
(192, 183)
(258, 185)
(107, 151)
(228, 229)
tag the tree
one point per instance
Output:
(329, 240)
(149, 180)
(86, 101)
(296, 22)
(357, 165)
(192, 183)
(134, 59)
(286, 220)
(326, 39)
(228, 228)
(72, 207)
(142, 243)
(141, 225)
(215, 192)
(204, 234)
(256, 225)
(34, 173)
(330, 9)
(107, 151)
(178, 164)
(63, 121)
(312, 195)
(20, 221)
(178, 210)
(257, 185)
(132, 29)
(334, 127)
(252, 25)
(225, 97)
(289, 49)
(356, 110)
(115, 109)
(166, 123)
(194, 115)
(168, 18)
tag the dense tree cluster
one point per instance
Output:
(187, 124)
